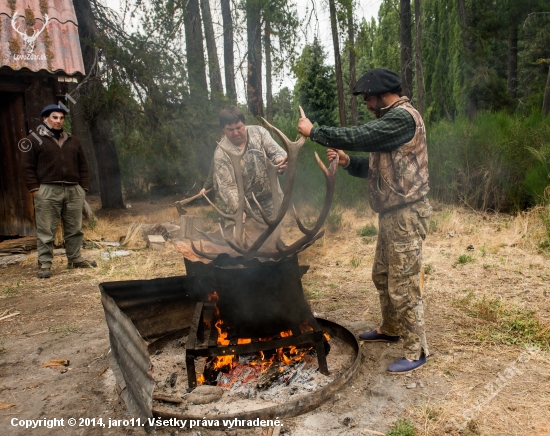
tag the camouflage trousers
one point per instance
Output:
(397, 274)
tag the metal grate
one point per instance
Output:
(203, 337)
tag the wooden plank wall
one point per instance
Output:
(21, 100)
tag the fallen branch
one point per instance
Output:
(10, 315)
(7, 406)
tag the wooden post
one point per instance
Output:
(188, 224)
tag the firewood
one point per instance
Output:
(267, 379)
(19, 245)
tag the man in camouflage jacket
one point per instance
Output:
(397, 174)
(258, 143)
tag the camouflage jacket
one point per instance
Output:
(253, 164)
(400, 176)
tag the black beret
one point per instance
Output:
(376, 82)
(52, 108)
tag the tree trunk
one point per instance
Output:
(254, 39)
(418, 58)
(195, 53)
(352, 74)
(513, 60)
(406, 48)
(109, 170)
(216, 86)
(110, 187)
(268, 91)
(81, 129)
(546, 102)
(337, 64)
(228, 56)
(466, 23)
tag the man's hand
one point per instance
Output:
(202, 192)
(304, 127)
(244, 217)
(34, 193)
(343, 158)
(283, 167)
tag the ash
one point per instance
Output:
(245, 387)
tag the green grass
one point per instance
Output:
(428, 269)
(504, 323)
(464, 259)
(402, 427)
(368, 229)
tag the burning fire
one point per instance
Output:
(222, 336)
(250, 371)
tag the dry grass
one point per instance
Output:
(479, 314)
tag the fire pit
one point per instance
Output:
(148, 318)
(241, 315)
(253, 306)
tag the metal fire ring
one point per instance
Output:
(303, 403)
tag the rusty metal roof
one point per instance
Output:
(54, 48)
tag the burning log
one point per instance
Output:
(267, 379)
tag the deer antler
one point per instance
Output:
(281, 204)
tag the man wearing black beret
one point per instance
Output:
(56, 174)
(397, 174)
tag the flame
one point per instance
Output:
(222, 336)
(327, 337)
(200, 379)
(234, 371)
(221, 361)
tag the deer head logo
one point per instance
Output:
(30, 40)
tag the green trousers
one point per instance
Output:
(54, 202)
(396, 274)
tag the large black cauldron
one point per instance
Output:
(256, 299)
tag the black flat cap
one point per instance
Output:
(376, 82)
(52, 108)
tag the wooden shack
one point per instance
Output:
(39, 58)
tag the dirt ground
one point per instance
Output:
(487, 295)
